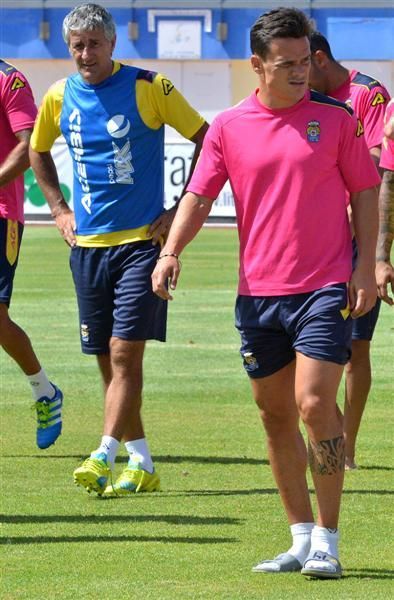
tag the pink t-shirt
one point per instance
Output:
(289, 170)
(17, 112)
(387, 155)
(368, 98)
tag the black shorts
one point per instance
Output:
(274, 328)
(10, 242)
(115, 297)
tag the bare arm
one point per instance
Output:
(46, 174)
(17, 161)
(190, 217)
(384, 268)
(160, 227)
(198, 139)
(362, 287)
(375, 153)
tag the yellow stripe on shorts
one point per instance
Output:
(345, 312)
(12, 241)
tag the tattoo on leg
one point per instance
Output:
(327, 457)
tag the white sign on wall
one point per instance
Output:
(179, 39)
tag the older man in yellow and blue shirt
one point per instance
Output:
(112, 117)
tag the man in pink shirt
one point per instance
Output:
(17, 115)
(368, 98)
(384, 268)
(289, 155)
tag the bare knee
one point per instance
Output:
(126, 358)
(310, 409)
(278, 423)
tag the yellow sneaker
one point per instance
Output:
(93, 474)
(133, 480)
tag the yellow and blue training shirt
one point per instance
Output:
(115, 135)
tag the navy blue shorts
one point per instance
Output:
(10, 242)
(273, 328)
(115, 297)
(363, 327)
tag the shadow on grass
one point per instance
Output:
(368, 574)
(265, 491)
(65, 539)
(168, 459)
(171, 519)
(215, 460)
(251, 492)
(374, 468)
(372, 492)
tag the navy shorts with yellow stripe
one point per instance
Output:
(273, 328)
(10, 242)
(115, 296)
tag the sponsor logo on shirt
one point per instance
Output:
(17, 84)
(360, 128)
(378, 99)
(167, 86)
(77, 151)
(313, 131)
(122, 167)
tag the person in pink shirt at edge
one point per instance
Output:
(368, 98)
(17, 115)
(290, 154)
(384, 268)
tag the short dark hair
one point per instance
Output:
(278, 23)
(319, 42)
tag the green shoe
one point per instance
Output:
(93, 474)
(133, 480)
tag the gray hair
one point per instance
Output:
(87, 17)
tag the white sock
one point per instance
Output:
(324, 540)
(109, 446)
(301, 533)
(41, 386)
(139, 453)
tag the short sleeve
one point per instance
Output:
(355, 163)
(18, 102)
(373, 117)
(47, 126)
(210, 173)
(159, 102)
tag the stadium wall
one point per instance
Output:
(357, 30)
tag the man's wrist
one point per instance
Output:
(59, 207)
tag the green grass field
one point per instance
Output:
(219, 511)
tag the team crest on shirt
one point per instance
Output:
(313, 131)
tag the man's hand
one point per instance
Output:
(362, 292)
(159, 229)
(165, 275)
(65, 222)
(384, 273)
